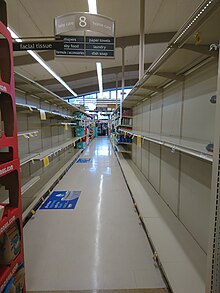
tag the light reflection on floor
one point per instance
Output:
(103, 149)
(98, 246)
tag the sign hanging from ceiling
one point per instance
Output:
(38, 45)
(75, 30)
(84, 21)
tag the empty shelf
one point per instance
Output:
(123, 149)
(125, 143)
(31, 108)
(29, 184)
(193, 148)
(51, 151)
(28, 158)
(182, 259)
(124, 125)
(28, 133)
(124, 116)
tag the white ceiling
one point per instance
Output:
(35, 18)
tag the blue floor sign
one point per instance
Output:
(84, 160)
(61, 200)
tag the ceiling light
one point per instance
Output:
(14, 36)
(99, 74)
(92, 6)
(42, 63)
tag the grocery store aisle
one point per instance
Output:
(98, 245)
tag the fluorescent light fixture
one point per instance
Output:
(99, 74)
(92, 6)
(42, 63)
(14, 36)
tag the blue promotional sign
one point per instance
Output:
(61, 200)
(84, 160)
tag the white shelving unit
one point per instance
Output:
(181, 257)
(46, 136)
(28, 134)
(28, 158)
(124, 125)
(26, 108)
(29, 184)
(172, 176)
(193, 148)
(123, 149)
(54, 150)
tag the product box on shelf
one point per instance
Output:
(127, 112)
(79, 115)
(79, 123)
(79, 131)
(81, 145)
(10, 244)
(16, 284)
(19, 280)
(84, 139)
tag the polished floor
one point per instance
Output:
(100, 244)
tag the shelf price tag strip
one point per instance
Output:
(46, 161)
(139, 140)
(42, 115)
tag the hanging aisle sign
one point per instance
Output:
(75, 30)
(84, 21)
(38, 45)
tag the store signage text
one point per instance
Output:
(6, 170)
(9, 277)
(82, 21)
(87, 46)
(75, 29)
(6, 225)
(44, 45)
(72, 46)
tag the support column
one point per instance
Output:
(142, 39)
(122, 81)
(213, 257)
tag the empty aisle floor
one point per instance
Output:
(100, 244)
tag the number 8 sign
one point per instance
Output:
(82, 22)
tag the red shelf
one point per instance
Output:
(10, 215)
(6, 141)
(7, 87)
(12, 211)
(9, 167)
(7, 271)
(9, 142)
